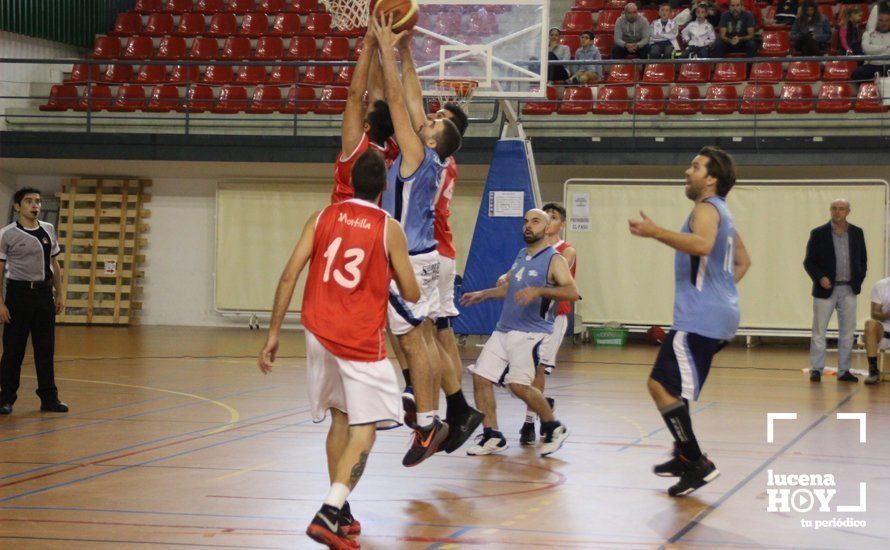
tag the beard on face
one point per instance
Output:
(531, 238)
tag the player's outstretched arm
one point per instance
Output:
(406, 136)
(410, 83)
(375, 75)
(354, 116)
(564, 289)
(473, 298)
(742, 260)
(705, 223)
(285, 292)
(403, 272)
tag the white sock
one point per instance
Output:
(426, 419)
(530, 417)
(337, 495)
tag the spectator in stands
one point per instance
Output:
(632, 34)
(698, 35)
(663, 40)
(737, 28)
(687, 14)
(811, 31)
(585, 73)
(876, 42)
(850, 36)
(786, 11)
(872, 22)
(557, 52)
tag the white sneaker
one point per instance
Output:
(554, 440)
(488, 445)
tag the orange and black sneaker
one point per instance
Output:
(325, 529)
(426, 442)
(349, 524)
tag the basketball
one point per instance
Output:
(655, 335)
(405, 13)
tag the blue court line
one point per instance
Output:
(707, 511)
(650, 434)
(159, 543)
(454, 535)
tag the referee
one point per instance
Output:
(28, 250)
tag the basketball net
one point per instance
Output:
(348, 14)
(456, 91)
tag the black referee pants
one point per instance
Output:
(33, 313)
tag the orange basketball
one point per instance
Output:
(404, 13)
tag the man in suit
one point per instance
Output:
(836, 261)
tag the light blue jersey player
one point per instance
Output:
(538, 279)
(411, 200)
(710, 260)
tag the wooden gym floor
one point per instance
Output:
(175, 439)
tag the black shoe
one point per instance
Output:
(426, 442)
(672, 468)
(56, 407)
(460, 428)
(6, 408)
(527, 434)
(409, 405)
(552, 404)
(873, 378)
(696, 474)
(348, 524)
(815, 376)
(325, 529)
(847, 377)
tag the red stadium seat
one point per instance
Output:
(616, 4)
(232, 99)
(766, 72)
(428, 50)
(611, 100)
(127, 24)
(218, 75)
(269, 48)
(720, 99)
(97, 97)
(210, 6)
(117, 73)
(300, 99)
(171, 47)
(318, 24)
(241, 6)
(164, 98)
(80, 72)
(604, 43)
(589, 5)
(152, 74)
(332, 101)
(835, 98)
(303, 7)
(286, 24)
(624, 74)
(148, 6)
(106, 47)
(344, 75)
(190, 24)
(838, 70)
(139, 47)
(318, 76)
(658, 73)
(775, 25)
(129, 99)
(251, 75)
(573, 41)
(222, 25)
(61, 98)
(179, 6)
(868, 100)
(694, 73)
(758, 99)
(266, 99)
(576, 100)
(272, 6)
(182, 74)
(302, 48)
(158, 24)
(577, 22)
(334, 48)
(828, 11)
(236, 47)
(283, 75)
(795, 99)
(683, 100)
(775, 44)
(254, 24)
(198, 99)
(547, 107)
(650, 15)
(728, 72)
(606, 22)
(803, 71)
(204, 48)
(648, 100)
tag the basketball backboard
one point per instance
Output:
(499, 43)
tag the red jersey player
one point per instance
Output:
(354, 250)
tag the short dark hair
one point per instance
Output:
(380, 122)
(369, 175)
(721, 167)
(589, 34)
(448, 140)
(558, 207)
(458, 117)
(20, 194)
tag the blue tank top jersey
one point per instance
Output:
(412, 200)
(706, 301)
(538, 315)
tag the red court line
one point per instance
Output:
(220, 529)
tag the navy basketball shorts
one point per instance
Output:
(684, 361)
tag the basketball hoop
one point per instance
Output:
(348, 14)
(459, 92)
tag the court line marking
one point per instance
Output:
(650, 434)
(699, 517)
(160, 543)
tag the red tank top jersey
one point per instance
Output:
(441, 227)
(347, 289)
(564, 308)
(343, 167)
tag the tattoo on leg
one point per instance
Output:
(358, 469)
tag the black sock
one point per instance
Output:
(873, 364)
(548, 427)
(456, 404)
(407, 374)
(491, 432)
(679, 423)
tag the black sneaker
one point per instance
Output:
(873, 378)
(847, 377)
(696, 474)
(673, 467)
(555, 435)
(325, 529)
(460, 428)
(5, 408)
(552, 404)
(57, 407)
(409, 405)
(426, 442)
(348, 524)
(527, 434)
(815, 376)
